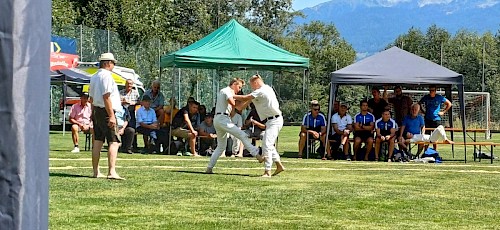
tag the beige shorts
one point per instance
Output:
(180, 132)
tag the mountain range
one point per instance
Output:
(370, 25)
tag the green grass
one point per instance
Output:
(169, 192)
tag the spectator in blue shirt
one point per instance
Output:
(146, 123)
(433, 113)
(413, 124)
(313, 125)
(364, 123)
(385, 129)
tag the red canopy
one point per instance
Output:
(62, 61)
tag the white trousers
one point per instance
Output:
(273, 128)
(223, 127)
(438, 134)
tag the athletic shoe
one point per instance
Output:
(179, 154)
(188, 154)
(347, 158)
(75, 150)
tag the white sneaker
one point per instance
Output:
(179, 154)
(75, 150)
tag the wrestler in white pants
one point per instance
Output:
(273, 128)
(436, 135)
(223, 127)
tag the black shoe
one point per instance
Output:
(129, 151)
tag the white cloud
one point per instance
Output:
(389, 3)
(488, 3)
(422, 3)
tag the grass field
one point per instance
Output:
(170, 192)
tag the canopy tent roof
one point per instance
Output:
(233, 47)
(395, 65)
(71, 75)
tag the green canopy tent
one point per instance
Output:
(233, 47)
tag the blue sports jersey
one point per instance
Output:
(310, 122)
(385, 125)
(364, 119)
(413, 125)
(432, 106)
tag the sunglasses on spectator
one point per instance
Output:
(316, 109)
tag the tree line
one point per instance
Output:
(139, 25)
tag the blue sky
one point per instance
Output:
(301, 4)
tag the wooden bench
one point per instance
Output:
(487, 143)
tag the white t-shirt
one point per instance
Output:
(101, 83)
(222, 105)
(265, 102)
(342, 122)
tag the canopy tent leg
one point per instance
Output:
(461, 97)
(64, 105)
(333, 92)
(450, 117)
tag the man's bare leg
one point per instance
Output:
(112, 154)
(96, 155)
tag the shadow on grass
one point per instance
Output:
(227, 174)
(67, 175)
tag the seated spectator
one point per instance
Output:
(183, 126)
(313, 126)
(342, 128)
(385, 129)
(170, 111)
(80, 117)
(147, 124)
(130, 100)
(202, 111)
(413, 128)
(364, 122)
(253, 125)
(377, 104)
(126, 132)
(157, 101)
(206, 132)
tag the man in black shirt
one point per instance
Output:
(377, 105)
(184, 123)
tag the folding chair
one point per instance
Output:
(88, 141)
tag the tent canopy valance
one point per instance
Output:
(234, 47)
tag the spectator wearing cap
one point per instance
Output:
(80, 116)
(157, 101)
(207, 134)
(377, 105)
(147, 124)
(313, 125)
(105, 98)
(184, 123)
(401, 104)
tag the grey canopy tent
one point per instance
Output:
(397, 66)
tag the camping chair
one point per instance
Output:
(88, 141)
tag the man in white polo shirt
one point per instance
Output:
(224, 126)
(105, 98)
(268, 108)
(342, 128)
